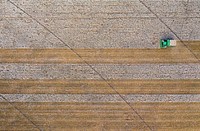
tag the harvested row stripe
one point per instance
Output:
(100, 98)
(108, 71)
(98, 115)
(100, 87)
(180, 54)
(194, 46)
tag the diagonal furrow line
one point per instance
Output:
(169, 29)
(21, 112)
(140, 117)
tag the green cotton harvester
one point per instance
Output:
(167, 43)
